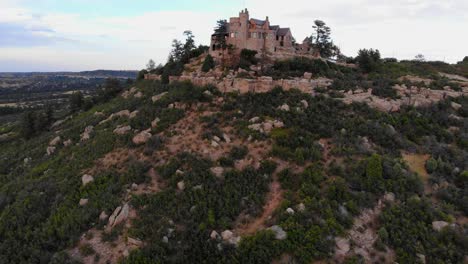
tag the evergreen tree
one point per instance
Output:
(369, 60)
(374, 173)
(76, 101)
(151, 65)
(208, 64)
(321, 40)
(220, 33)
(27, 124)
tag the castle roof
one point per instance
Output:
(283, 31)
(258, 21)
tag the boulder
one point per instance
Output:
(307, 75)
(301, 207)
(87, 133)
(134, 242)
(141, 138)
(50, 150)
(217, 171)
(290, 211)
(280, 234)
(214, 144)
(455, 105)
(342, 246)
(103, 216)
(165, 240)
(439, 225)
(157, 97)
(278, 124)
(133, 114)
(179, 172)
(85, 179)
(155, 122)
(254, 119)
(267, 127)
(226, 138)
(119, 215)
(122, 130)
(227, 234)
(214, 235)
(138, 95)
(217, 139)
(285, 107)
(305, 104)
(181, 185)
(55, 141)
(68, 143)
(83, 202)
(134, 186)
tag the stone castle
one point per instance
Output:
(244, 32)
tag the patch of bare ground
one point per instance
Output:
(106, 252)
(115, 159)
(417, 164)
(362, 236)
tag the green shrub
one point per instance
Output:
(208, 64)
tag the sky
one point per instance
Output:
(77, 35)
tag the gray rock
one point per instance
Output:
(85, 179)
(214, 235)
(55, 141)
(103, 216)
(290, 211)
(50, 150)
(141, 138)
(181, 185)
(439, 225)
(226, 138)
(122, 130)
(280, 234)
(83, 202)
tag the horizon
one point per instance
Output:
(53, 36)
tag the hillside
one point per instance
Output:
(180, 173)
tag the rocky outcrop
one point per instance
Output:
(55, 141)
(266, 126)
(86, 135)
(50, 150)
(122, 130)
(119, 215)
(158, 97)
(83, 202)
(141, 138)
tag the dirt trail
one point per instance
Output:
(274, 199)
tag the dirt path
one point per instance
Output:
(274, 198)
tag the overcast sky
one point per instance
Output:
(74, 35)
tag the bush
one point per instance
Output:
(431, 165)
(247, 58)
(384, 88)
(208, 64)
(369, 60)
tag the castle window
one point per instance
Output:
(277, 37)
